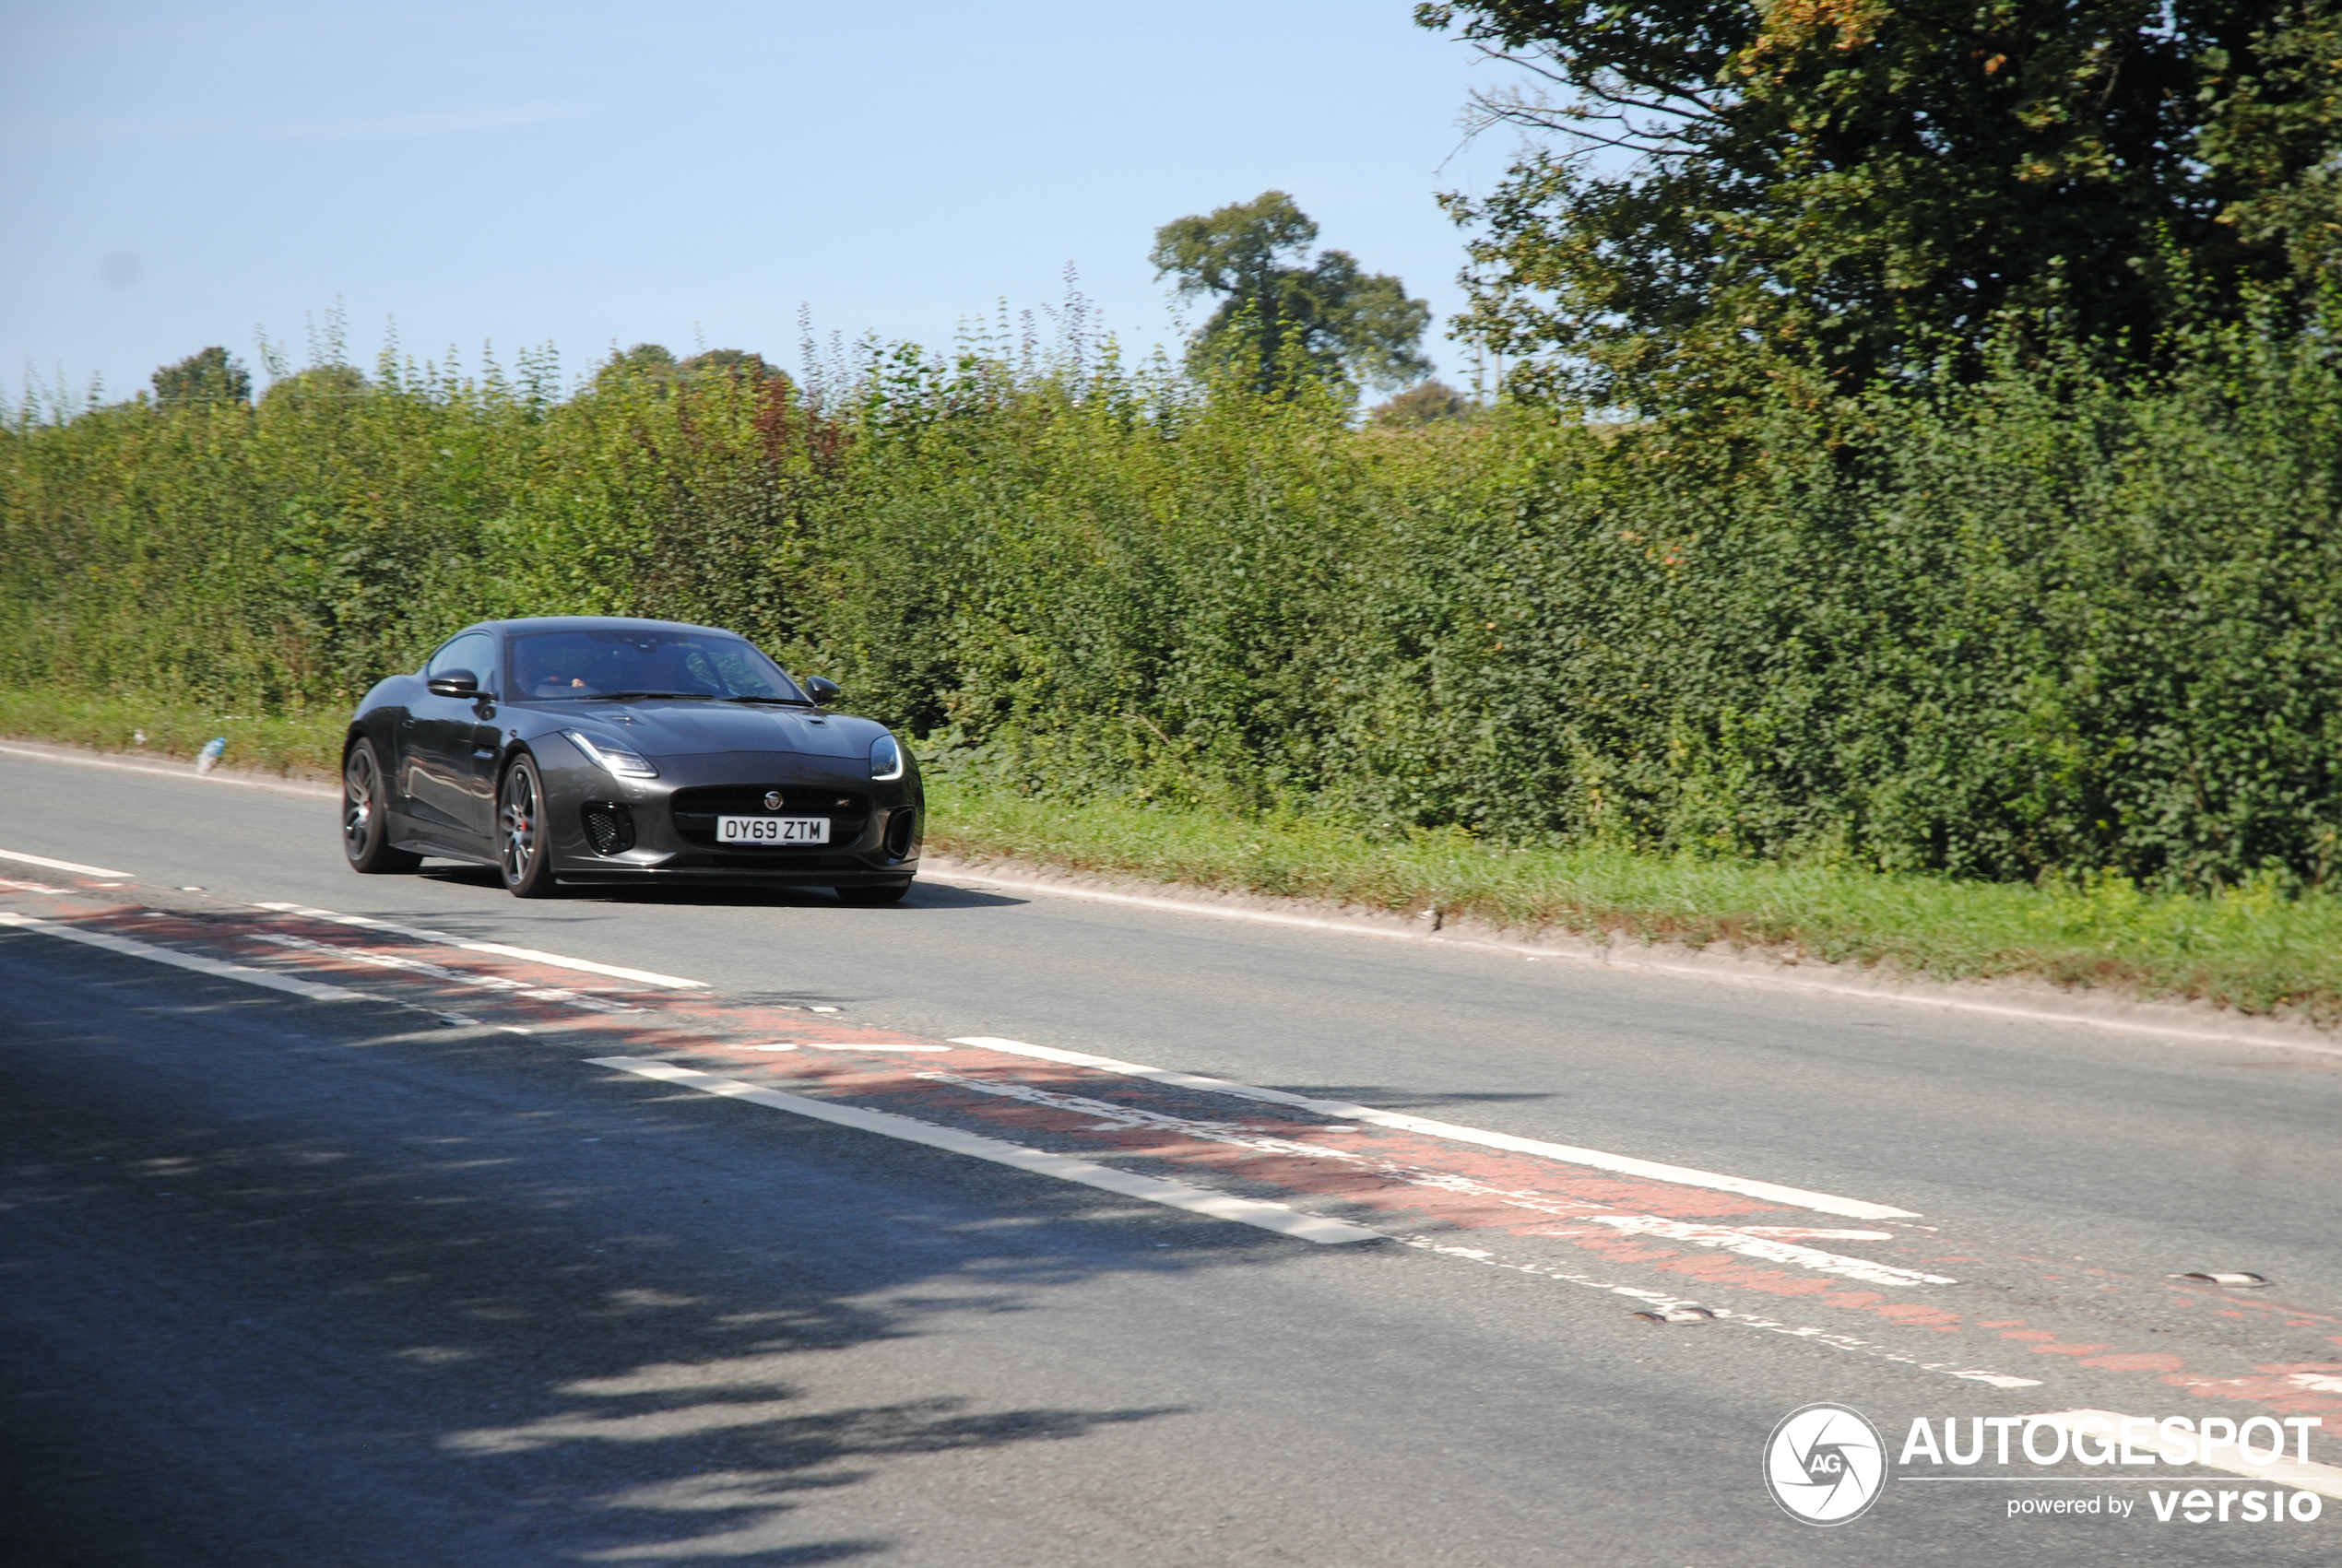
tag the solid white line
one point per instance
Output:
(556, 960)
(838, 1045)
(1608, 960)
(1771, 1249)
(1174, 1195)
(186, 772)
(2302, 1476)
(64, 864)
(376, 958)
(309, 989)
(1683, 1175)
(1355, 928)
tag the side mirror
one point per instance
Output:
(454, 683)
(822, 691)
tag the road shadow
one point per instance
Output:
(924, 895)
(495, 1318)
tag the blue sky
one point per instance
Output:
(589, 173)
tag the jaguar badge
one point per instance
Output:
(772, 800)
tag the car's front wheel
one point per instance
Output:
(523, 851)
(365, 820)
(889, 894)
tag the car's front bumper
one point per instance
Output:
(883, 832)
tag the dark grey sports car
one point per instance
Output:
(583, 749)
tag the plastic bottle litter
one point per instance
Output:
(209, 757)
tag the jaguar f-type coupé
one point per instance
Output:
(592, 750)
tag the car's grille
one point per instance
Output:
(609, 827)
(696, 811)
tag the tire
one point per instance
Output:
(365, 820)
(892, 894)
(524, 853)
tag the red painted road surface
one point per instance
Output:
(1976, 1309)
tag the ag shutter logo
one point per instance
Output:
(1825, 1464)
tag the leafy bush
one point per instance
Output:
(2050, 622)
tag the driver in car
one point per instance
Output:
(548, 668)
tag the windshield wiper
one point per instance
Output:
(639, 696)
(784, 702)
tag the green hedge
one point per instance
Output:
(2053, 623)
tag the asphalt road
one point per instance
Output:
(292, 1281)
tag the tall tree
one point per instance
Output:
(1828, 192)
(657, 364)
(1282, 314)
(211, 376)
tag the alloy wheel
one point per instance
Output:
(361, 787)
(518, 826)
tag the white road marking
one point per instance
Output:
(1608, 958)
(1173, 1195)
(1813, 1233)
(1682, 1176)
(437, 971)
(1771, 1249)
(2301, 1475)
(1723, 1315)
(310, 989)
(1110, 1116)
(34, 888)
(66, 865)
(282, 786)
(841, 1045)
(555, 961)
(1750, 1242)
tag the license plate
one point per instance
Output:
(772, 829)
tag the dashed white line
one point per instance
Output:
(554, 960)
(1273, 1217)
(73, 865)
(309, 989)
(1665, 1302)
(1682, 1176)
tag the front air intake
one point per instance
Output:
(899, 827)
(609, 827)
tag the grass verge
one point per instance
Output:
(2254, 949)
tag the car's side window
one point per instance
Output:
(474, 651)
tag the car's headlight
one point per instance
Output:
(886, 758)
(613, 760)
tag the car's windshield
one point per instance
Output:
(583, 665)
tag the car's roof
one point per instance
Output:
(594, 623)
